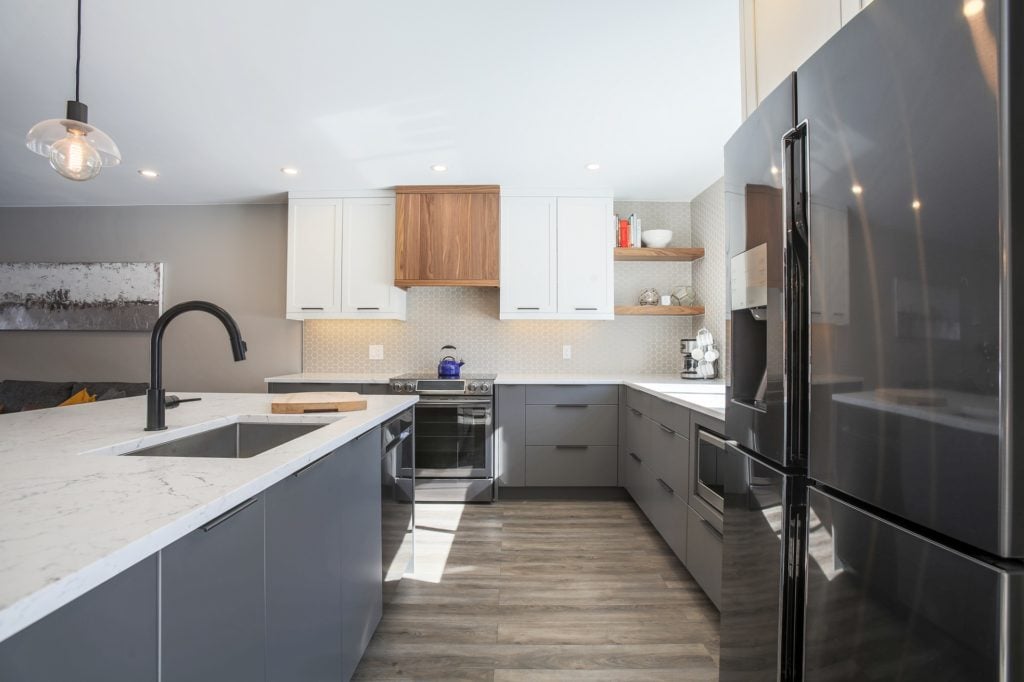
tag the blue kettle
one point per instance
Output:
(449, 367)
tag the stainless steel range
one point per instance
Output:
(454, 437)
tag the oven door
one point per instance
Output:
(454, 437)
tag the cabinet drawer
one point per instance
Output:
(590, 394)
(638, 400)
(669, 457)
(587, 465)
(666, 511)
(704, 556)
(571, 424)
(675, 417)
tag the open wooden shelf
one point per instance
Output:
(680, 310)
(668, 253)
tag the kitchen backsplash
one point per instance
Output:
(467, 318)
(709, 230)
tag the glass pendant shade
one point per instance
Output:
(76, 150)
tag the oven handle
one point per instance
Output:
(461, 402)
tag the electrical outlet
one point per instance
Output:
(567, 352)
(376, 352)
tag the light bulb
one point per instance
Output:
(74, 158)
(973, 7)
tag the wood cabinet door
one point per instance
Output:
(368, 258)
(528, 256)
(585, 252)
(447, 236)
(314, 255)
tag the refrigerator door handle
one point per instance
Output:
(796, 291)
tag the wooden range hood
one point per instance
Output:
(447, 235)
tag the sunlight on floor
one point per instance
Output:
(436, 525)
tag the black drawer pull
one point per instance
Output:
(229, 513)
(635, 456)
(571, 447)
(667, 487)
(521, 307)
(711, 527)
(368, 308)
(638, 413)
(312, 308)
(309, 466)
(586, 308)
(666, 429)
(571, 405)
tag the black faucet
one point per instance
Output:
(155, 400)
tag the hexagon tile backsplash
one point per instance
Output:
(467, 318)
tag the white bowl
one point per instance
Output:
(656, 239)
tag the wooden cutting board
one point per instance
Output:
(301, 403)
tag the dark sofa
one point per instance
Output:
(17, 395)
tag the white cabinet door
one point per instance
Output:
(585, 258)
(528, 281)
(368, 260)
(314, 256)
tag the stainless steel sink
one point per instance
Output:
(235, 441)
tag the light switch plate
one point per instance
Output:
(567, 352)
(376, 352)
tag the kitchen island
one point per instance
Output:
(74, 513)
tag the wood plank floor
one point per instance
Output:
(543, 590)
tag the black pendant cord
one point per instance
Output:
(78, 50)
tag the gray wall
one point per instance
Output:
(233, 256)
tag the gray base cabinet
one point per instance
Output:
(564, 466)
(304, 578)
(704, 555)
(361, 561)
(213, 623)
(109, 634)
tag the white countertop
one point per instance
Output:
(73, 514)
(330, 378)
(705, 396)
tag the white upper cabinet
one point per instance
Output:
(777, 36)
(528, 273)
(341, 259)
(586, 284)
(368, 259)
(314, 256)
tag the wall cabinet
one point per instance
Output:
(213, 606)
(109, 634)
(447, 235)
(341, 259)
(529, 255)
(777, 36)
(567, 244)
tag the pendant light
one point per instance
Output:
(76, 150)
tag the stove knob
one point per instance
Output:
(409, 387)
(474, 387)
(396, 387)
(485, 388)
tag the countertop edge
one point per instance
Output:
(35, 606)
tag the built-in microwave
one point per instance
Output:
(710, 473)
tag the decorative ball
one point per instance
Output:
(649, 297)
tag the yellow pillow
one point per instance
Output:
(79, 398)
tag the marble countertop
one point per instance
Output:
(331, 378)
(705, 396)
(73, 514)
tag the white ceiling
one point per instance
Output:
(218, 95)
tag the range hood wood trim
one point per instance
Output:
(448, 189)
(406, 283)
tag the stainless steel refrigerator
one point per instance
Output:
(874, 514)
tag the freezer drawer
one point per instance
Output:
(885, 603)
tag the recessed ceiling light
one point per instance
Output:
(288, 170)
(972, 7)
(915, 204)
(857, 189)
(593, 166)
(147, 173)
(439, 168)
